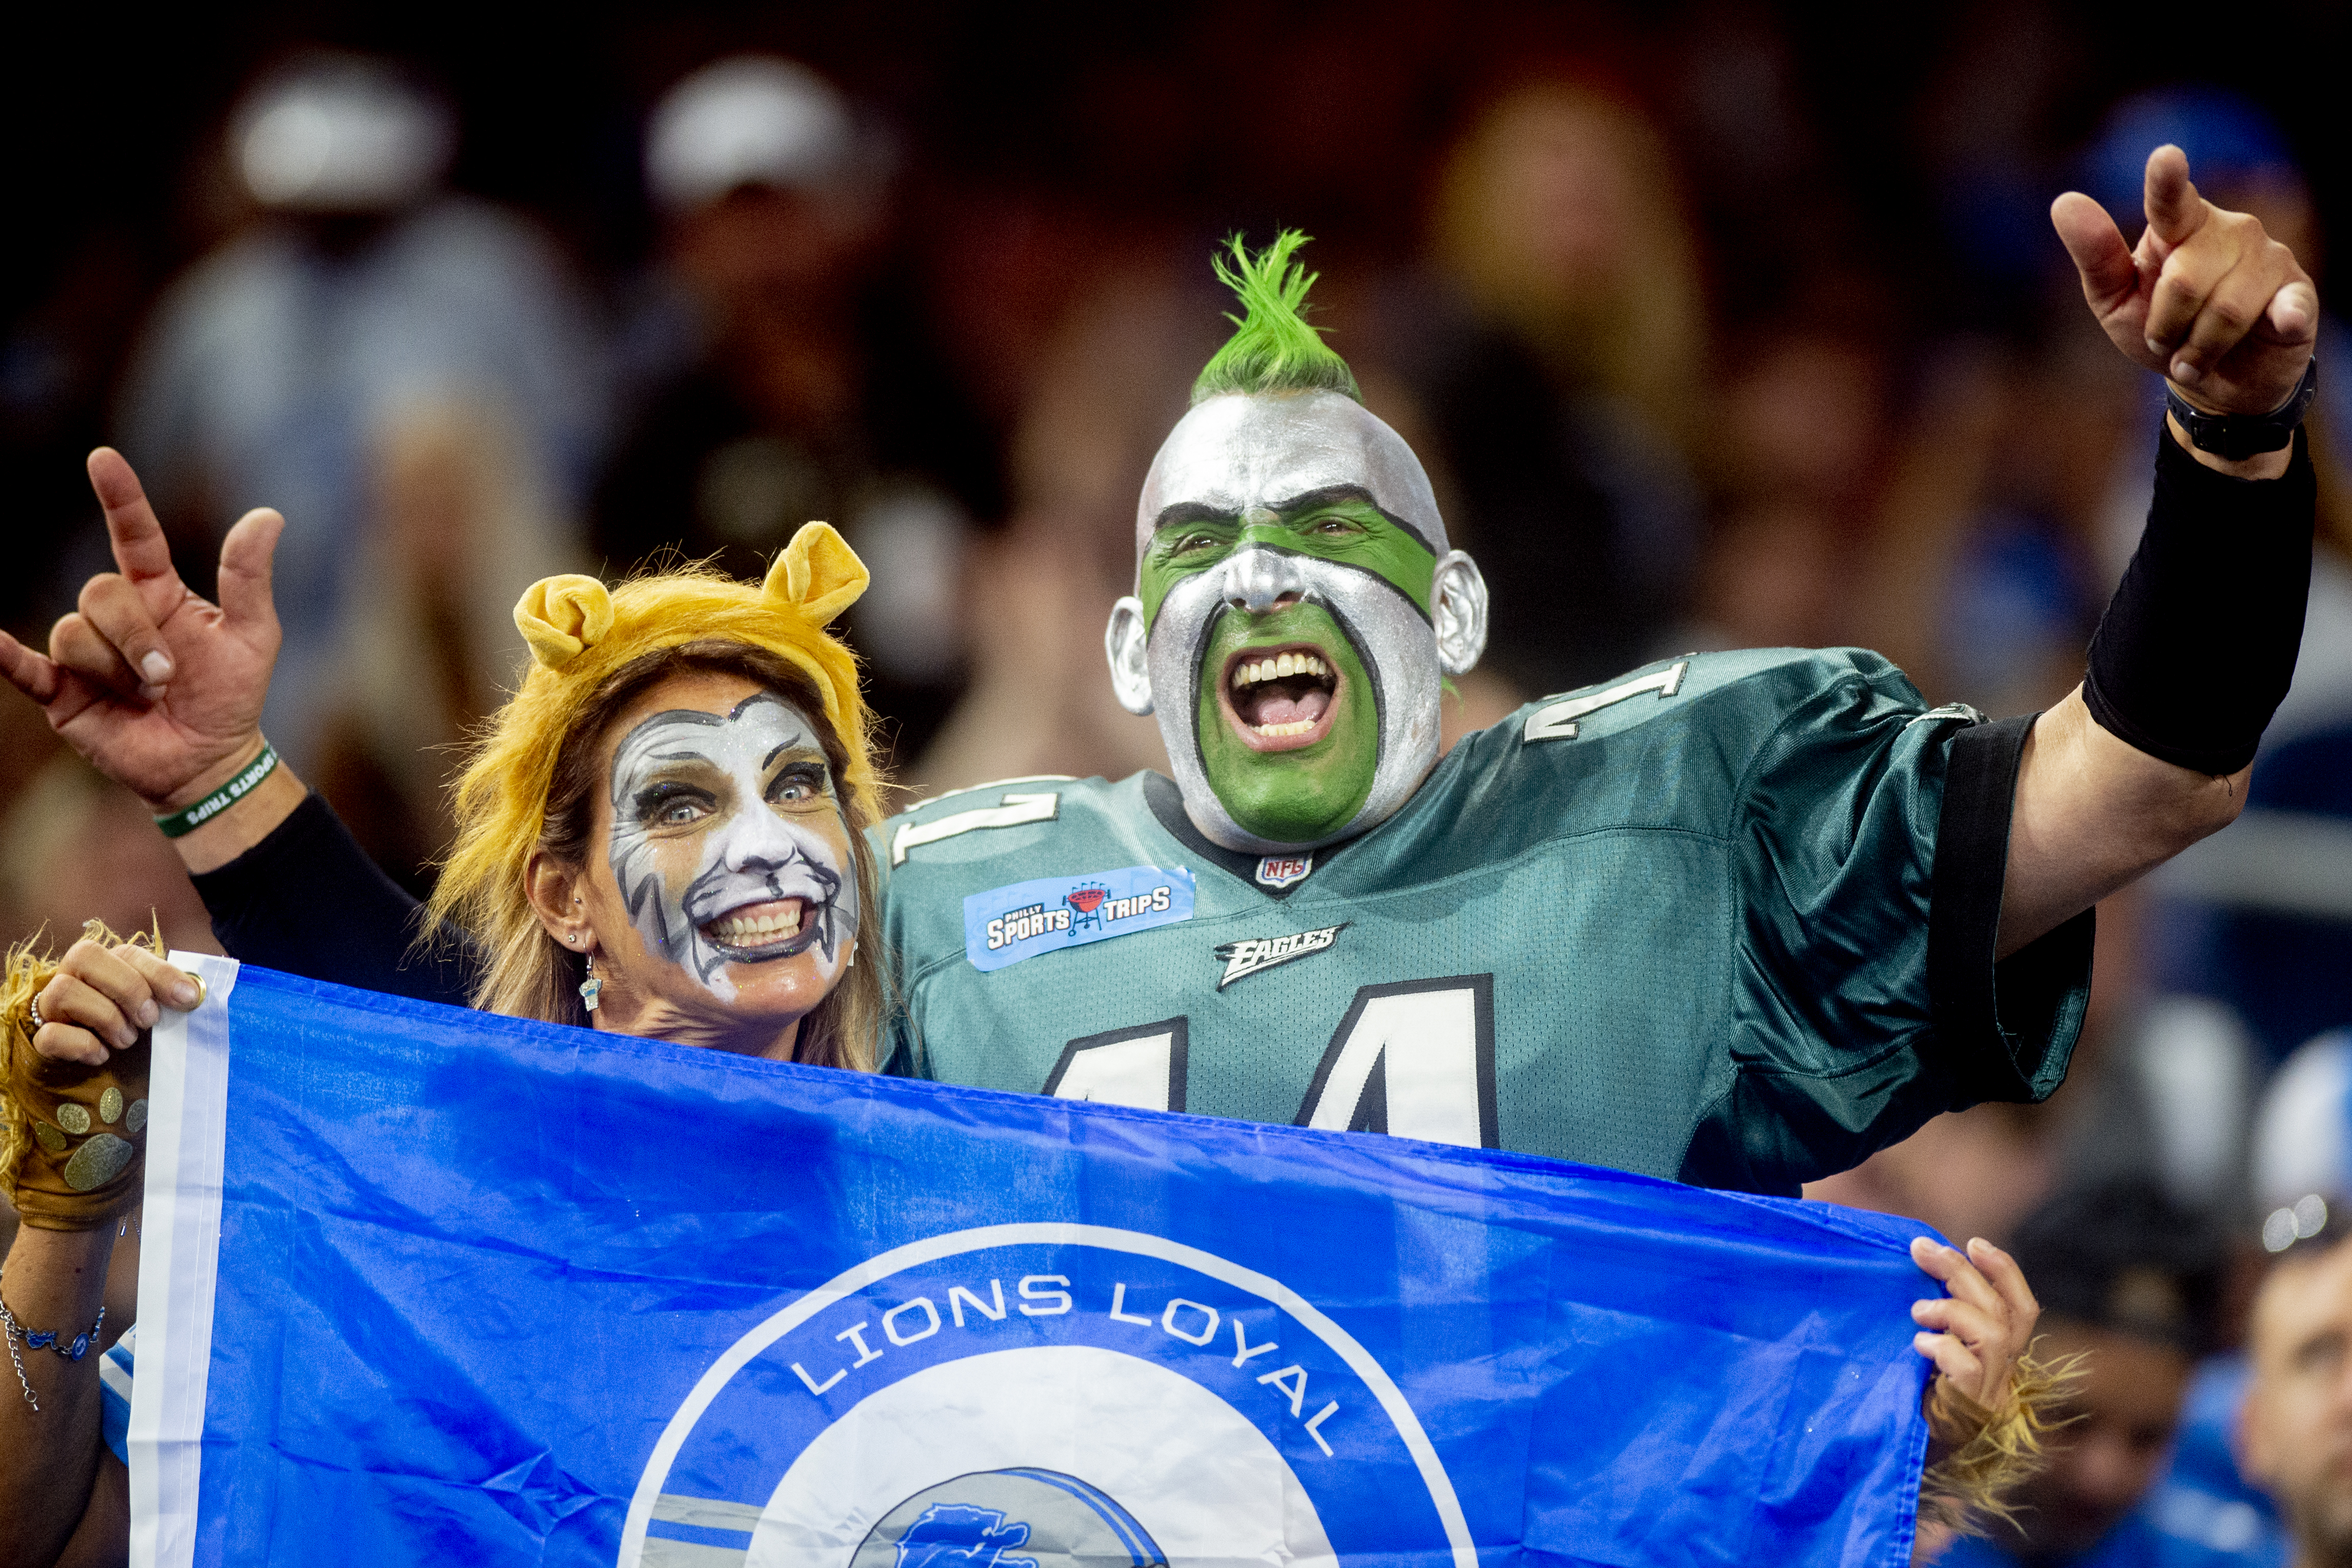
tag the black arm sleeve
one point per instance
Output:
(309, 901)
(2198, 643)
(2007, 1028)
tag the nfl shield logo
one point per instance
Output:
(1278, 872)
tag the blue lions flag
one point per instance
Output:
(422, 1285)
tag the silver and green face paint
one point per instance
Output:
(1297, 612)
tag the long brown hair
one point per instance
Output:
(531, 975)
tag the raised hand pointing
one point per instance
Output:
(160, 688)
(2206, 298)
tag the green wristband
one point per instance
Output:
(180, 823)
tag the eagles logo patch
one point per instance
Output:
(1251, 953)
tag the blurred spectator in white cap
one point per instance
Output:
(361, 295)
(749, 120)
(807, 386)
(341, 136)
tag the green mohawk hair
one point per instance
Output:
(1273, 349)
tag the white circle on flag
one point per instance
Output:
(920, 1427)
(1194, 1473)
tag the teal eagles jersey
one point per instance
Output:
(1729, 920)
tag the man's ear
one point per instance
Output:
(1123, 642)
(1457, 612)
(557, 895)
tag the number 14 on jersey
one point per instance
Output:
(1415, 1059)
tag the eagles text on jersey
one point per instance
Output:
(1678, 924)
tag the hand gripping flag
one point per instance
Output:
(422, 1285)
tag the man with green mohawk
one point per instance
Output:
(1678, 926)
(1280, 487)
(1740, 919)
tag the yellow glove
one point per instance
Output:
(71, 1137)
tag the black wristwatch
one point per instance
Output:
(2238, 436)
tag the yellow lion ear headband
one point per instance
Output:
(818, 576)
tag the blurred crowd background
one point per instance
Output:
(1717, 324)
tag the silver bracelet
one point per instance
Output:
(46, 1339)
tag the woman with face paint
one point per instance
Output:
(661, 834)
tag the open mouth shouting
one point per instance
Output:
(758, 933)
(1280, 698)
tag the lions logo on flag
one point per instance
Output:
(973, 1522)
(1044, 1396)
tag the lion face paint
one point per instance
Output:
(728, 843)
(1302, 608)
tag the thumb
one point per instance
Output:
(2097, 249)
(2175, 210)
(27, 670)
(245, 562)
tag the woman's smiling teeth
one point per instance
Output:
(1280, 695)
(757, 925)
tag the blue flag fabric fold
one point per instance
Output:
(426, 1285)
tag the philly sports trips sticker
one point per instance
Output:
(1006, 924)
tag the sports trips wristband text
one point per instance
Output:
(178, 824)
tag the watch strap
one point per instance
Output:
(2238, 436)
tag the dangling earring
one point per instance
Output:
(591, 985)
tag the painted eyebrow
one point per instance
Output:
(755, 700)
(1328, 495)
(1184, 512)
(813, 753)
(695, 716)
(673, 715)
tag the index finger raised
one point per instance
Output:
(139, 548)
(2175, 210)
